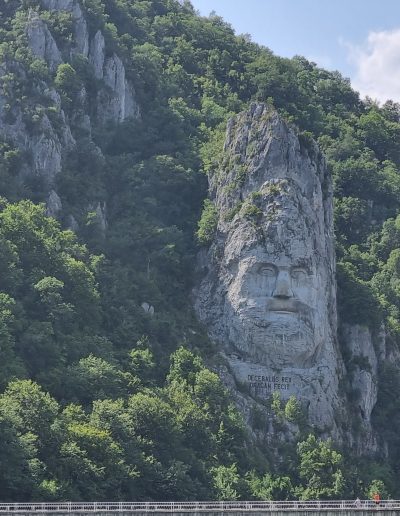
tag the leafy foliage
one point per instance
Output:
(320, 469)
(116, 403)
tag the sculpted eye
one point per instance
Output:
(267, 271)
(298, 274)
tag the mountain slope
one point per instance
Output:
(110, 114)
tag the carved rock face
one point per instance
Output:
(275, 293)
(268, 293)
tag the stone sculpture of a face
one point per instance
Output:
(267, 294)
(276, 288)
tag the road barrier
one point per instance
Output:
(196, 507)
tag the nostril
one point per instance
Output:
(282, 292)
(282, 295)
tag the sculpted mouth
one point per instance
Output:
(284, 306)
(260, 310)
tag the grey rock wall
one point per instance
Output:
(116, 102)
(268, 296)
(48, 141)
(362, 362)
(81, 33)
(53, 204)
(42, 42)
(97, 54)
(267, 290)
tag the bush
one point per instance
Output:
(208, 223)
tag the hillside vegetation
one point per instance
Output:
(101, 399)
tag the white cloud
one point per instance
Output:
(377, 64)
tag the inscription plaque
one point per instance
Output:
(265, 384)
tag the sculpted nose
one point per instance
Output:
(283, 287)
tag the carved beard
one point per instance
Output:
(275, 339)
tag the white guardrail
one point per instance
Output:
(183, 507)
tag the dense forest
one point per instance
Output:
(107, 382)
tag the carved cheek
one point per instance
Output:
(265, 279)
(308, 294)
(268, 283)
(302, 288)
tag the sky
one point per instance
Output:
(359, 38)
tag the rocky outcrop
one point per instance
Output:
(268, 294)
(42, 42)
(97, 54)
(99, 211)
(363, 365)
(116, 102)
(72, 223)
(81, 33)
(46, 132)
(46, 149)
(53, 204)
(149, 309)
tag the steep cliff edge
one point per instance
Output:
(51, 101)
(268, 291)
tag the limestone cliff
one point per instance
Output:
(44, 126)
(268, 291)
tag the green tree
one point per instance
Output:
(269, 487)
(92, 465)
(377, 487)
(293, 411)
(68, 82)
(208, 223)
(320, 468)
(94, 378)
(30, 409)
(226, 482)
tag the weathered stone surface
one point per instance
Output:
(67, 140)
(131, 105)
(100, 212)
(42, 42)
(117, 102)
(268, 296)
(101, 215)
(81, 33)
(72, 223)
(363, 359)
(97, 54)
(45, 147)
(81, 36)
(44, 132)
(53, 204)
(149, 309)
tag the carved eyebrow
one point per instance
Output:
(266, 265)
(303, 267)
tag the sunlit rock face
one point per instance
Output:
(267, 293)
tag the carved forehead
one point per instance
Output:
(287, 229)
(273, 241)
(273, 252)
